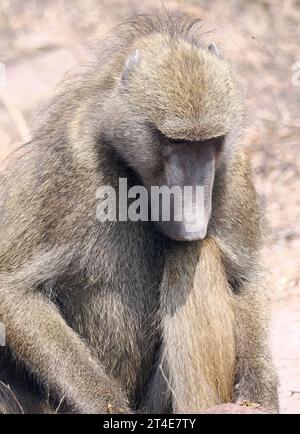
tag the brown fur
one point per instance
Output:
(116, 317)
(202, 312)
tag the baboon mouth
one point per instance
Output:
(178, 231)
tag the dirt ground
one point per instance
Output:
(41, 39)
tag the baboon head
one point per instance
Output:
(173, 114)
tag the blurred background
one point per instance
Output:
(41, 39)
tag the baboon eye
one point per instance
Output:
(170, 141)
(219, 142)
(176, 141)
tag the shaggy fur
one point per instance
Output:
(116, 317)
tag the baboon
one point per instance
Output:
(123, 316)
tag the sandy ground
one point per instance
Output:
(39, 42)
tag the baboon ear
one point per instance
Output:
(131, 62)
(213, 49)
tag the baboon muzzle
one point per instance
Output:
(189, 173)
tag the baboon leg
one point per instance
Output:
(19, 394)
(21, 402)
(9, 403)
(158, 396)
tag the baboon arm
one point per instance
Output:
(37, 334)
(256, 379)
